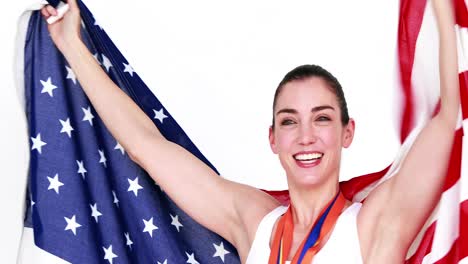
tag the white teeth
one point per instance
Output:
(311, 156)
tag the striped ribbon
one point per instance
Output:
(283, 237)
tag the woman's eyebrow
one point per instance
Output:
(322, 107)
(287, 111)
(313, 110)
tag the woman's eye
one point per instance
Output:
(287, 122)
(323, 118)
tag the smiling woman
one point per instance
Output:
(310, 126)
(310, 129)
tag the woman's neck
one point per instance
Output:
(308, 203)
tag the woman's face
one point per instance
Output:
(308, 135)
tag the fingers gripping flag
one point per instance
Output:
(87, 201)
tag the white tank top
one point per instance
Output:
(341, 247)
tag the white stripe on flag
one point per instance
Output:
(462, 44)
(425, 76)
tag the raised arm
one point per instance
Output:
(400, 206)
(211, 200)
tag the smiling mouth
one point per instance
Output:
(308, 158)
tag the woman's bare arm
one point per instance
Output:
(400, 206)
(220, 205)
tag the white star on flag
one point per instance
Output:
(116, 201)
(129, 242)
(159, 115)
(72, 224)
(106, 62)
(149, 226)
(128, 69)
(48, 87)
(102, 158)
(175, 222)
(70, 74)
(134, 186)
(220, 251)
(66, 127)
(54, 183)
(191, 258)
(94, 212)
(108, 254)
(164, 262)
(88, 116)
(81, 168)
(119, 147)
(37, 143)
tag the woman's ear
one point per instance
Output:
(271, 137)
(348, 133)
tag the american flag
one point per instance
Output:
(444, 237)
(89, 203)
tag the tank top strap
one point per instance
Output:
(261, 243)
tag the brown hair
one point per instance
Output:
(307, 71)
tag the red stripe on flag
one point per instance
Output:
(463, 77)
(461, 13)
(411, 16)
(454, 166)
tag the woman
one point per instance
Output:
(310, 128)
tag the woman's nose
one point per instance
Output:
(307, 135)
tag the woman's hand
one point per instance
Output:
(66, 30)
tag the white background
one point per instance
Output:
(215, 66)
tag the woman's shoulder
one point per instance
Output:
(252, 206)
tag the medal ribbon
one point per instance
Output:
(282, 239)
